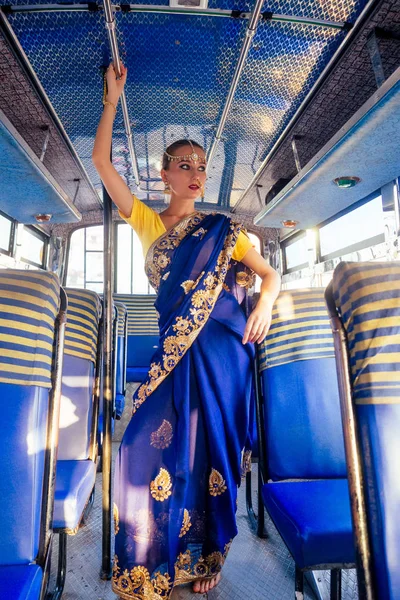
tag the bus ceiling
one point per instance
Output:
(241, 82)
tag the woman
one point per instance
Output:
(178, 467)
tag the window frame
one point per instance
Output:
(257, 235)
(68, 248)
(367, 243)
(45, 239)
(12, 241)
(289, 241)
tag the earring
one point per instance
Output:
(167, 193)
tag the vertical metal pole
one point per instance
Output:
(353, 454)
(112, 38)
(106, 569)
(50, 467)
(250, 33)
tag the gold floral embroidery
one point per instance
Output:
(137, 585)
(216, 483)
(145, 526)
(245, 279)
(160, 488)
(116, 518)
(205, 567)
(161, 584)
(210, 285)
(187, 285)
(201, 232)
(186, 525)
(161, 438)
(157, 259)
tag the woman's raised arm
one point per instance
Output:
(113, 182)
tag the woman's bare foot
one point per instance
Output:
(202, 586)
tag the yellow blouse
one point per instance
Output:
(149, 227)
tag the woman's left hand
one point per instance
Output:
(258, 323)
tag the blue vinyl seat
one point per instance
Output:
(78, 407)
(77, 452)
(366, 298)
(20, 582)
(114, 369)
(121, 358)
(143, 334)
(301, 437)
(30, 302)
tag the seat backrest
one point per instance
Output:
(143, 332)
(367, 297)
(122, 315)
(121, 357)
(29, 304)
(303, 427)
(80, 352)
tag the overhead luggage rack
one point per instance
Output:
(27, 187)
(366, 148)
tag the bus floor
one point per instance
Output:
(255, 569)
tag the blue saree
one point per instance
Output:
(179, 464)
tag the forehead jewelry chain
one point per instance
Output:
(186, 157)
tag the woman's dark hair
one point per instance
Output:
(175, 146)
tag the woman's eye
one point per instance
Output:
(202, 169)
(185, 166)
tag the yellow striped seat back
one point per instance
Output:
(300, 329)
(84, 312)
(367, 296)
(29, 304)
(121, 315)
(142, 316)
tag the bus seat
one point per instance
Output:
(121, 351)
(302, 433)
(20, 582)
(143, 334)
(76, 469)
(114, 369)
(367, 300)
(29, 306)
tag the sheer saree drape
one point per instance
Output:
(179, 463)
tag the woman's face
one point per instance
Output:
(186, 178)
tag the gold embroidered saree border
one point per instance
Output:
(137, 584)
(156, 260)
(187, 328)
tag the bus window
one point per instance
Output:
(357, 229)
(295, 253)
(6, 226)
(130, 276)
(85, 261)
(256, 241)
(33, 247)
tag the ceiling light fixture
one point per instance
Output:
(346, 182)
(43, 218)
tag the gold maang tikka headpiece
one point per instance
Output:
(193, 156)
